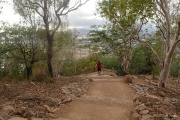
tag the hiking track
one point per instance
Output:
(107, 98)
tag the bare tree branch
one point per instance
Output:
(73, 8)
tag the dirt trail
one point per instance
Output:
(108, 98)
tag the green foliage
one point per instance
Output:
(142, 62)
(63, 38)
(38, 75)
(126, 12)
(174, 70)
(111, 62)
(22, 47)
(48, 79)
(118, 34)
(49, 14)
(88, 64)
(75, 67)
(120, 71)
(66, 68)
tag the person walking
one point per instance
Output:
(99, 66)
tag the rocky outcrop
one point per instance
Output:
(40, 107)
(74, 90)
(153, 107)
(141, 89)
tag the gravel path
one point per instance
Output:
(108, 98)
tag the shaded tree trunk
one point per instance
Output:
(49, 56)
(49, 38)
(29, 72)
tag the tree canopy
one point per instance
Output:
(132, 16)
(49, 14)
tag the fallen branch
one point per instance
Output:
(36, 86)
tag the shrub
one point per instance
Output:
(7, 79)
(142, 61)
(174, 70)
(120, 71)
(38, 75)
(111, 62)
(75, 67)
(47, 79)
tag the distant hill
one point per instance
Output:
(145, 30)
(83, 32)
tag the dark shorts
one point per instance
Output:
(99, 69)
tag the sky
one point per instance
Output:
(83, 18)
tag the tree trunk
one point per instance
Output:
(165, 70)
(126, 67)
(167, 63)
(29, 72)
(126, 62)
(49, 56)
(166, 67)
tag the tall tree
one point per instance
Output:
(25, 45)
(165, 15)
(120, 22)
(51, 12)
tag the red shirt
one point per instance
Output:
(99, 65)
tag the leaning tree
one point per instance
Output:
(50, 14)
(165, 16)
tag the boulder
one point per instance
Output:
(40, 114)
(136, 102)
(167, 101)
(148, 98)
(128, 79)
(65, 90)
(140, 107)
(24, 112)
(49, 109)
(68, 99)
(135, 116)
(8, 108)
(6, 86)
(161, 93)
(4, 116)
(147, 117)
(144, 112)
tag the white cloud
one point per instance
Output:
(81, 18)
(84, 17)
(8, 14)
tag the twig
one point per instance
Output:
(36, 86)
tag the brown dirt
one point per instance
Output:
(33, 95)
(107, 98)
